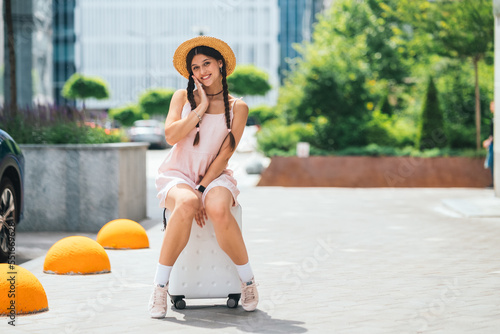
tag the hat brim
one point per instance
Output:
(182, 51)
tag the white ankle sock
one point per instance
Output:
(162, 274)
(245, 272)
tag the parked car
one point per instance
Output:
(11, 192)
(150, 131)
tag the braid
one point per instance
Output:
(232, 141)
(191, 100)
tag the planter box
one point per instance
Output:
(82, 187)
(376, 172)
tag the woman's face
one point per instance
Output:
(206, 69)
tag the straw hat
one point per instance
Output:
(182, 51)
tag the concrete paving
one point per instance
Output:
(328, 260)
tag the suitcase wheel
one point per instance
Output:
(232, 300)
(178, 301)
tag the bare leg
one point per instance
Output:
(183, 203)
(218, 204)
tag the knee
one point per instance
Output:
(187, 207)
(219, 214)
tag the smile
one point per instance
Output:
(206, 77)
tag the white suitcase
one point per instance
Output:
(203, 269)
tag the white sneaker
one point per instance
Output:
(249, 295)
(158, 301)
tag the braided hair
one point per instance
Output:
(211, 52)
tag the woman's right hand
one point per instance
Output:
(201, 93)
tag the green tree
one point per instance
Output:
(431, 132)
(126, 115)
(82, 87)
(455, 29)
(457, 100)
(354, 57)
(248, 80)
(156, 101)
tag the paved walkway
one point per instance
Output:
(328, 260)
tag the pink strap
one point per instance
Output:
(232, 107)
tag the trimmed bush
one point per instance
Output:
(156, 101)
(263, 114)
(82, 87)
(248, 80)
(431, 129)
(126, 115)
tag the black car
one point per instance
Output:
(11, 192)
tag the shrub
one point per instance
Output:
(283, 139)
(375, 150)
(53, 125)
(378, 129)
(263, 114)
(156, 101)
(248, 80)
(385, 130)
(431, 129)
(73, 133)
(126, 115)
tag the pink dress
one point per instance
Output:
(188, 164)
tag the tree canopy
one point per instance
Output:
(156, 101)
(82, 87)
(453, 29)
(364, 76)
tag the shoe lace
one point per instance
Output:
(249, 293)
(160, 297)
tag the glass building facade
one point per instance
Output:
(64, 39)
(297, 18)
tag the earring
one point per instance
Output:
(220, 69)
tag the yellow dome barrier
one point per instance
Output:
(123, 234)
(76, 255)
(20, 292)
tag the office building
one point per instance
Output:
(297, 19)
(130, 43)
(64, 39)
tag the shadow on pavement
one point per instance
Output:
(218, 317)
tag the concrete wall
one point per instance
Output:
(82, 187)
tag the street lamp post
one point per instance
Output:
(496, 115)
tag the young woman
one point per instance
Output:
(193, 182)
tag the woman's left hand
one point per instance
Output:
(201, 216)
